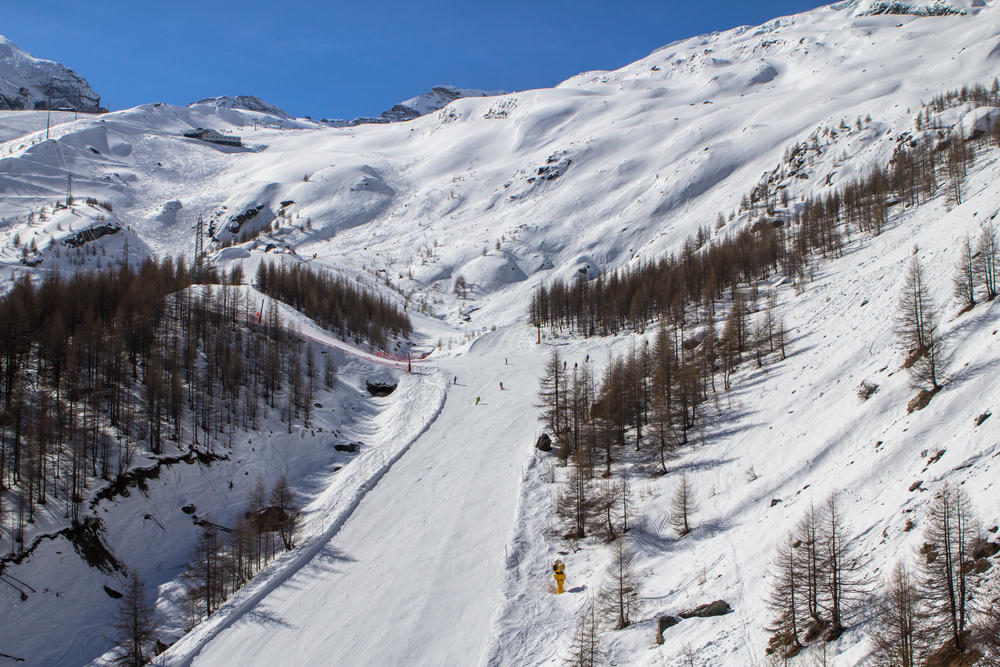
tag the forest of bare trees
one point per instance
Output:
(335, 303)
(711, 314)
(934, 612)
(100, 367)
(226, 558)
(782, 239)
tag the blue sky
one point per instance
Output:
(344, 59)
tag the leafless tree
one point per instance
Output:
(682, 507)
(987, 252)
(783, 602)
(964, 280)
(575, 503)
(918, 331)
(619, 593)
(897, 636)
(133, 624)
(947, 578)
(586, 650)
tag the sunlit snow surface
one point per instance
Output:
(433, 547)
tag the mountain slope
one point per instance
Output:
(27, 82)
(606, 171)
(436, 98)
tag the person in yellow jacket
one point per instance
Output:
(559, 572)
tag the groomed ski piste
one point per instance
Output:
(433, 545)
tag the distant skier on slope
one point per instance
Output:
(501, 386)
(477, 400)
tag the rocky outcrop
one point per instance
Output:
(27, 82)
(245, 102)
(437, 98)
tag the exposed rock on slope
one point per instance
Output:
(421, 105)
(247, 102)
(27, 82)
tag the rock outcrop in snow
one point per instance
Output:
(27, 82)
(916, 7)
(247, 102)
(437, 98)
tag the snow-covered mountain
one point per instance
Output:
(915, 7)
(248, 102)
(27, 82)
(434, 546)
(437, 98)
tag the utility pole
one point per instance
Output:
(48, 118)
(199, 245)
(125, 252)
(69, 189)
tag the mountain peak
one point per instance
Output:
(246, 102)
(27, 82)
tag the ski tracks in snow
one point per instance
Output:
(335, 507)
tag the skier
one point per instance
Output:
(477, 400)
(455, 381)
(501, 386)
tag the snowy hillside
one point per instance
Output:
(434, 545)
(247, 102)
(437, 98)
(27, 82)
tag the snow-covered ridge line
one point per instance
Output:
(328, 513)
(246, 102)
(434, 100)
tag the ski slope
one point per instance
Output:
(433, 545)
(414, 573)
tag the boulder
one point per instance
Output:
(544, 443)
(380, 389)
(985, 549)
(350, 447)
(717, 608)
(664, 623)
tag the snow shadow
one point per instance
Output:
(698, 466)
(268, 619)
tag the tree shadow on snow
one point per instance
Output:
(327, 560)
(700, 466)
(268, 619)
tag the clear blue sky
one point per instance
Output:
(350, 58)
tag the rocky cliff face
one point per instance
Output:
(27, 82)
